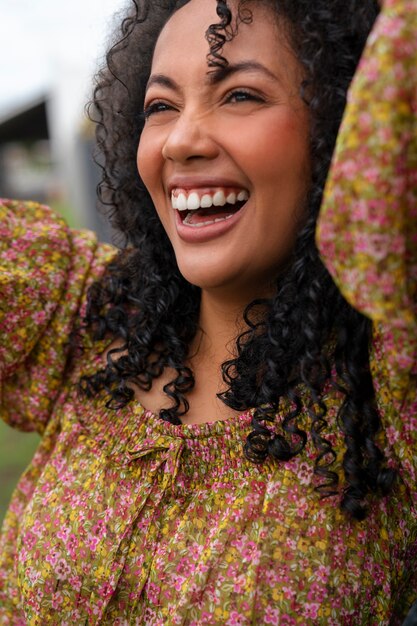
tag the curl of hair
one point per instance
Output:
(290, 355)
(218, 34)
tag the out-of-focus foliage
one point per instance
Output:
(16, 450)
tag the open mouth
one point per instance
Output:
(205, 217)
(197, 209)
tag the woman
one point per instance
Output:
(238, 495)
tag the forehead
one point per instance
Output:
(183, 43)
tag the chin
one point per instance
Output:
(208, 276)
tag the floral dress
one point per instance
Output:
(122, 518)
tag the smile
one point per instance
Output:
(204, 207)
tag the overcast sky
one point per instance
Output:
(40, 37)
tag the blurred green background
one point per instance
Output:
(16, 450)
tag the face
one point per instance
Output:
(225, 155)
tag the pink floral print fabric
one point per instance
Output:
(122, 518)
(367, 232)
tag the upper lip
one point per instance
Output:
(197, 182)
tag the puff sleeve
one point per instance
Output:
(45, 271)
(367, 230)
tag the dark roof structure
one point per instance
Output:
(26, 123)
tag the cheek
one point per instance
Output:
(143, 159)
(149, 164)
(149, 161)
(285, 153)
(273, 152)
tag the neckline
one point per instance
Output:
(229, 427)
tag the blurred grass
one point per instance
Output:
(67, 212)
(16, 450)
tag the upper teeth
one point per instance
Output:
(193, 200)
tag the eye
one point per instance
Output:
(243, 95)
(157, 106)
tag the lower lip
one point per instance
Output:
(200, 234)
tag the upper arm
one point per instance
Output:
(45, 271)
(367, 230)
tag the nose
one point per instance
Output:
(190, 138)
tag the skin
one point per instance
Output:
(249, 127)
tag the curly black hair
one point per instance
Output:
(309, 338)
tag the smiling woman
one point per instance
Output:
(243, 131)
(278, 413)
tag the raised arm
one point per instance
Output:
(367, 231)
(45, 270)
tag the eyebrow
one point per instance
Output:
(163, 81)
(215, 76)
(221, 73)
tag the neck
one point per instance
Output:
(220, 323)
